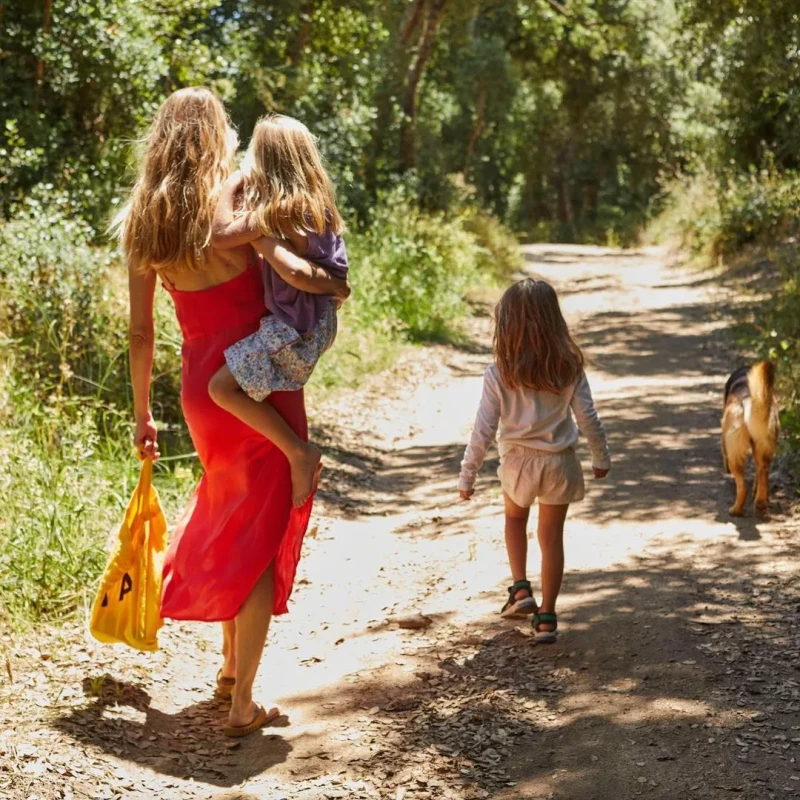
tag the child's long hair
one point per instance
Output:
(532, 344)
(286, 184)
(188, 155)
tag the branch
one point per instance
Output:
(411, 20)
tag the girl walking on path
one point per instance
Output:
(233, 554)
(530, 395)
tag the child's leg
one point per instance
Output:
(517, 542)
(551, 543)
(304, 457)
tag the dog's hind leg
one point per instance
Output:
(763, 461)
(736, 446)
(737, 470)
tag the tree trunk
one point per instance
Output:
(434, 13)
(566, 161)
(295, 53)
(398, 61)
(47, 14)
(411, 20)
(477, 129)
(591, 193)
(296, 50)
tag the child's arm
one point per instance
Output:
(298, 272)
(228, 232)
(589, 423)
(483, 434)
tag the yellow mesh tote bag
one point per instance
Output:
(128, 603)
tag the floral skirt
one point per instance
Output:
(276, 358)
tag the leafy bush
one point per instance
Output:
(720, 215)
(498, 249)
(64, 317)
(757, 207)
(65, 409)
(689, 212)
(411, 270)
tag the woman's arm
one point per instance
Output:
(228, 232)
(141, 336)
(298, 272)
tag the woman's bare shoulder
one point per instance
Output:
(219, 266)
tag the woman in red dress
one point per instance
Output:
(233, 555)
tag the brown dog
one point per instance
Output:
(750, 421)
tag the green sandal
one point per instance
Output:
(519, 609)
(545, 618)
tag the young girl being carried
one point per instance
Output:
(530, 393)
(289, 211)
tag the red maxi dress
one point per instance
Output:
(240, 518)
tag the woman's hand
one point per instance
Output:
(145, 438)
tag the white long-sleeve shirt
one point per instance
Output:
(529, 418)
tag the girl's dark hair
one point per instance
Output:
(532, 343)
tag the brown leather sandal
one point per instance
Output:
(262, 718)
(224, 686)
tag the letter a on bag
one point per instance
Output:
(128, 603)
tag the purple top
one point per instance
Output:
(302, 310)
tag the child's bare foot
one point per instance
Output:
(305, 466)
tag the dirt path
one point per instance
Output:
(676, 674)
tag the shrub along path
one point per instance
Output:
(676, 672)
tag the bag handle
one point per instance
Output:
(143, 494)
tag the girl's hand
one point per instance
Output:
(341, 293)
(466, 494)
(235, 180)
(145, 438)
(599, 474)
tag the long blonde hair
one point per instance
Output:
(532, 343)
(286, 185)
(188, 155)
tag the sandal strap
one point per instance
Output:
(545, 617)
(512, 590)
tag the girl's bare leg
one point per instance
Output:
(252, 625)
(304, 457)
(551, 543)
(517, 542)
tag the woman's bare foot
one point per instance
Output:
(239, 717)
(250, 720)
(306, 466)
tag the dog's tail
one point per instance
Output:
(761, 381)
